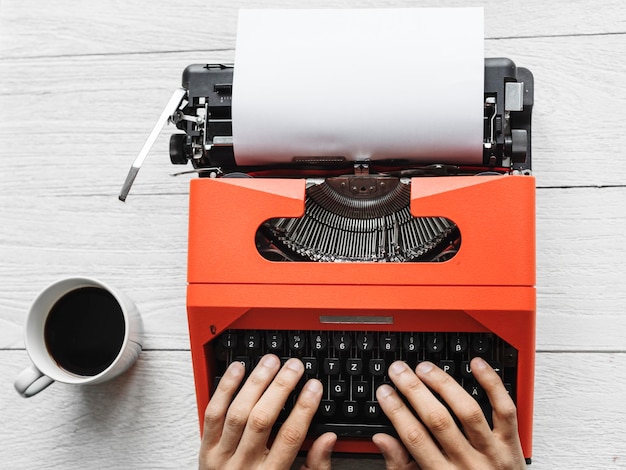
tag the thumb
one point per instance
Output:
(396, 456)
(318, 457)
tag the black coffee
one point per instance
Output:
(85, 330)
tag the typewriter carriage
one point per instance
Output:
(207, 142)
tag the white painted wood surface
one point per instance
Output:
(81, 84)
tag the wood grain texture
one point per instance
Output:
(68, 28)
(143, 419)
(81, 85)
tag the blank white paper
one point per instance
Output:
(364, 84)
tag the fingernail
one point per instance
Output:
(397, 367)
(236, 368)
(270, 360)
(294, 364)
(425, 367)
(314, 386)
(479, 363)
(384, 391)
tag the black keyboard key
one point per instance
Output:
(338, 388)
(327, 408)
(342, 341)
(458, 344)
(466, 370)
(229, 340)
(310, 365)
(410, 342)
(481, 344)
(350, 409)
(447, 366)
(388, 343)
(495, 365)
(360, 389)
(434, 343)
(252, 340)
(509, 358)
(372, 409)
(274, 341)
(365, 341)
(354, 366)
(476, 391)
(377, 367)
(331, 366)
(319, 341)
(296, 341)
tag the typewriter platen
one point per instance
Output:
(320, 257)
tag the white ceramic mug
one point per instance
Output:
(79, 331)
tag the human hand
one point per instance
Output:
(236, 430)
(477, 447)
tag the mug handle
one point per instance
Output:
(31, 381)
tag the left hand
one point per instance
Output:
(236, 431)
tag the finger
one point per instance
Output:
(318, 457)
(395, 454)
(431, 411)
(266, 411)
(412, 433)
(465, 408)
(292, 433)
(504, 411)
(215, 411)
(248, 396)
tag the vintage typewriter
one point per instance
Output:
(350, 265)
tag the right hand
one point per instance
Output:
(435, 441)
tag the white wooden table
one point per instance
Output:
(81, 84)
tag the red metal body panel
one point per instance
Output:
(488, 286)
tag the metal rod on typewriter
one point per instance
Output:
(172, 105)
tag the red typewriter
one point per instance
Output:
(350, 265)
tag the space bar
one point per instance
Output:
(351, 430)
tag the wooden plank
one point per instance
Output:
(580, 256)
(65, 28)
(577, 422)
(147, 418)
(139, 247)
(144, 419)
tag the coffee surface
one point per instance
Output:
(84, 331)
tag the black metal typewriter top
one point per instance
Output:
(206, 121)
